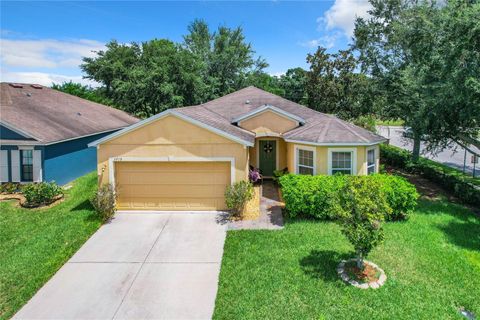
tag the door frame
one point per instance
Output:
(257, 146)
(112, 160)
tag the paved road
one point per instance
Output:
(139, 266)
(451, 157)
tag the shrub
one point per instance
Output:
(363, 208)
(315, 196)
(400, 194)
(10, 187)
(237, 196)
(318, 196)
(41, 193)
(465, 188)
(104, 202)
(279, 173)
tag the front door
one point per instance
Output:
(267, 157)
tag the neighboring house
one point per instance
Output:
(44, 133)
(182, 159)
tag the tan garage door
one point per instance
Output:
(171, 185)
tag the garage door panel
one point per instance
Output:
(172, 191)
(169, 178)
(172, 185)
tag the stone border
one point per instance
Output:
(374, 284)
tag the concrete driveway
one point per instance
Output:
(139, 266)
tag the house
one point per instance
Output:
(44, 133)
(182, 159)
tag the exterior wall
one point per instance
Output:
(8, 134)
(62, 162)
(66, 161)
(281, 152)
(171, 137)
(322, 157)
(268, 121)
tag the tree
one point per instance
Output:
(85, 92)
(226, 60)
(424, 59)
(333, 86)
(363, 207)
(293, 85)
(147, 78)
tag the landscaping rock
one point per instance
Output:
(373, 285)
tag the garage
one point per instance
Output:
(171, 185)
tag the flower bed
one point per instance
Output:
(370, 277)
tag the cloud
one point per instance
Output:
(342, 15)
(43, 78)
(327, 41)
(46, 53)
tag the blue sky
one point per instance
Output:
(43, 42)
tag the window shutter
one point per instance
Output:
(15, 155)
(37, 165)
(3, 166)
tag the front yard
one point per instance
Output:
(34, 244)
(432, 262)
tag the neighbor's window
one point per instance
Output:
(305, 161)
(371, 161)
(342, 162)
(27, 165)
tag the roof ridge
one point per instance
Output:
(344, 124)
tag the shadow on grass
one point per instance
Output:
(323, 264)
(84, 205)
(464, 234)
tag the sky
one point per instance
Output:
(44, 42)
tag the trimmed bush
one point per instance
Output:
(319, 196)
(400, 194)
(104, 202)
(316, 196)
(237, 196)
(465, 188)
(42, 193)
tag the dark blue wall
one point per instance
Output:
(66, 161)
(8, 134)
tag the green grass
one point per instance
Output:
(34, 244)
(432, 262)
(397, 122)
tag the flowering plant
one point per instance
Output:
(254, 175)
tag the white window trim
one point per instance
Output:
(354, 158)
(374, 159)
(257, 147)
(306, 148)
(111, 163)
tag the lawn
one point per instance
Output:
(432, 262)
(34, 244)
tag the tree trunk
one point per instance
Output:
(359, 260)
(416, 147)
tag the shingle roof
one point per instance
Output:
(319, 128)
(49, 115)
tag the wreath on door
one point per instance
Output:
(268, 148)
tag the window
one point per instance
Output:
(305, 161)
(342, 162)
(27, 165)
(371, 161)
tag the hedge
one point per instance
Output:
(318, 196)
(465, 188)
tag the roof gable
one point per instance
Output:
(270, 108)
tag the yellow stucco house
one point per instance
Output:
(183, 159)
